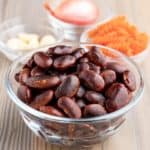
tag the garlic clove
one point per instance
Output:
(16, 44)
(47, 40)
(27, 37)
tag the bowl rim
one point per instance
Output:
(18, 21)
(48, 117)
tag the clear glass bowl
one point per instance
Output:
(72, 132)
(11, 28)
(73, 32)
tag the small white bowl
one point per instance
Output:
(11, 28)
(139, 58)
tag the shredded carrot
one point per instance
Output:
(119, 34)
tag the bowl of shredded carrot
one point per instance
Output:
(121, 35)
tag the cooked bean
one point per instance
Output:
(64, 62)
(96, 56)
(113, 105)
(118, 97)
(69, 87)
(24, 93)
(117, 91)
(94, 97)
(51, 110)
(30, 63)
(92, 80)
(79, 52)
(69, 107)
(116, 66)
(84, 60)
(36, 71)
(129, 80)
(42, 60)
(94, 68)
(42, 82)
(24, 75)
(109, 76)
(42, 99)
(94, 110)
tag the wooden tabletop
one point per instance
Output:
(133, 135)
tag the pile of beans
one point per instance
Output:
(71, 82)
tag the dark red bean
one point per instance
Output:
(79, 52)
(84, 60)
(42, 99)
(92, 80)
(116, 66)
(69, 87)
(36, 71)
(113, 105)
(42, 82)
(24, 75)
(24, 93)
(94, 68)
(96, 56)
(51, 110)
(82, 66)
(109, 76)
(129, 80)
(95, 97)
(94, 110)
(69, 107)
(118, 97)
(30, 63)
(64, 62)
(61, 50)
(42, 60)
(117, 91)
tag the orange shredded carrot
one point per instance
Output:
(119, 34)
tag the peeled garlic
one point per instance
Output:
(27, 37)
(16, 44)
(28, 41)
(33, 43)
(47, 40)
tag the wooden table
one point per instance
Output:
(134, 134)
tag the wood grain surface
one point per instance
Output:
(133, 135)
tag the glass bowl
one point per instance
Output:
(73, 32)
(73, 132)
(11, 28)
